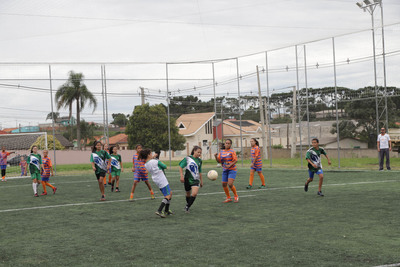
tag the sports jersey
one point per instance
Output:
(256, 157)
(46, 167)
(23, 164)
(226, 157)
(140, 170)
(100, 160)
(193, 168)
(35, 160)
(155, 168)
(3, 157)
(115, 162)
(315, 156)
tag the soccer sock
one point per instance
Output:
(151, 192)
(191, 200)
(227, 192)
(131, 195)
(187, 200)
(34, 186)
(44, 187)
(109, 178)
(234, 191)
(167, 206)
(251, 178)
(163, 203)
(262, 178)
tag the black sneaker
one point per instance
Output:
(306, 187)
(117, 190)
(320, 194)
(109, 183)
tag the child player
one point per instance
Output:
(116, 168)
(100, 165)
(140, 173)
(35, 168)
(256, 164)
(24, 165)
(313, 157)
(227, 157)
(192, 178)
(156, 169)
(3, 163)
(47, 171)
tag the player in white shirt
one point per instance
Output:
(156, 169)
(384, 146)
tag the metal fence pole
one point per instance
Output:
(240, 109)
(268, 111)
(336, 100)
(52, 119)
(169, 120)
(298, 105)
(215, 108)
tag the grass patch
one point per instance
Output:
(352, 225)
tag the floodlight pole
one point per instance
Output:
(215, 108)
(336, 101)
(370, 7)
(269, 111)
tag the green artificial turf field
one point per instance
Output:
(355, 224)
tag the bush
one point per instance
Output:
(40, 143)
(277, 146)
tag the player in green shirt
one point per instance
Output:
(116, 168)
(100, 165)
(192, 178)
(313, 157)
(35, 168)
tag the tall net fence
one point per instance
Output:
(343, 95)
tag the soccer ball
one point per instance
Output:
(212, 175)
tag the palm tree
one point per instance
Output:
(75, 90)
(53, 116)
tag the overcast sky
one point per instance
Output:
(157, 32)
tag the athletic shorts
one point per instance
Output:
(140, 176)
(228, 174)
(188, 185)
(116, 173)
(166, 190)
(100, 174)
(256, 169)
(311, 173)
(35, 175)
(141, 179)
(45, 178)
(3, 167)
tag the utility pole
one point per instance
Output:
(264, 143)
(142, 95)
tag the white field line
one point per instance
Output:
(202, 194)
(390, 265)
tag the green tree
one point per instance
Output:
(346, 129)
(74, 90)
(120, 119)
(148, 126)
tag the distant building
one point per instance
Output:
(120, 140)
(345, 143)
(26, 129)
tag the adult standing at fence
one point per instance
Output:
(384, 147)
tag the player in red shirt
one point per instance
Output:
(47, 172)
(3, 163)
